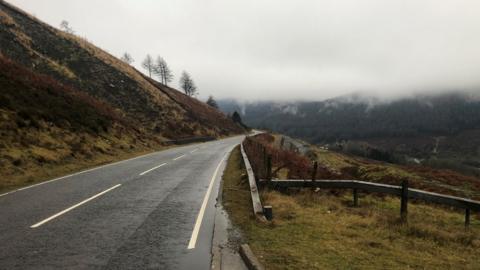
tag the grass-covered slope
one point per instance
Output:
(76, 62)
(66, 104)
(48, 129)
(337, 165)
(210, 118)
(321, 230)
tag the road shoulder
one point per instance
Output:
(226, 238)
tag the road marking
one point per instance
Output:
(77, 173)
(179, 157)
(198, 223)
(6, 193)
(72, 207)
(156, 167)
(194, 150)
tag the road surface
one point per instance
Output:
(151, 212)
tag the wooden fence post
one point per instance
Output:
(355, 197)
(404, 201)
(265, 160)
(314, 172)
(269, 167)
(467, 218)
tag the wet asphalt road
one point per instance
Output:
(123, 220)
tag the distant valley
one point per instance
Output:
(440, 130)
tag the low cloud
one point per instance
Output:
(284, 50)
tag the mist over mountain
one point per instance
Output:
(444, 124)
(361, 115)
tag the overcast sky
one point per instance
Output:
(294, 49)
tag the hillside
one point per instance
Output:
(321, 228)
(66, 104)
(440, 130)
(75, 62)
(290, 162)
(47, 128)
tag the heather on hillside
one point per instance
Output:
(73, 61)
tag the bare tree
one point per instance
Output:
(127, 58)
(187, 84)
(162, 70)
(65, 26)
(148, 64)
(212, 102)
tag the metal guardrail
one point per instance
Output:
(189, 140)
(257, 204)
(402, 191)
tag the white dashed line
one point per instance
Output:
(156, 167)
(72, 207)
(77, 173)
(194, 150)
(179, 157)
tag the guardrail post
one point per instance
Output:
(268, 212)
(269, 167)
(467, 218)
(404, 201)
(355, 197)
(314, 172)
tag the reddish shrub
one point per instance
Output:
(258, 148)
(17, 73)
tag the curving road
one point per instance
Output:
(151, 212)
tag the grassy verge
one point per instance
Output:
(236, 192)
(320, 230)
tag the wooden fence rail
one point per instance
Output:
(264, 170)
(402, 191)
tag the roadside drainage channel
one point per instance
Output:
(226, 240)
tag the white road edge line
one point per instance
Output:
(72, 207)
(179, 157)
(198, 223)
(156, 167)
(194, 150)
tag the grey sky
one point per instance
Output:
(296, 49)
